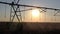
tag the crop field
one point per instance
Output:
(29, 28)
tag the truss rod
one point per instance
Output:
(28, 6)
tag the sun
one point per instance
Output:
(35, 13)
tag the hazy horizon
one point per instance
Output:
(27, 16)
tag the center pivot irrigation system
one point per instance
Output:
(15, 4)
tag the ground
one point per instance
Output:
(29, 28)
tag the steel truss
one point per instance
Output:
(13, 5)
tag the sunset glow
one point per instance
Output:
(35, 13)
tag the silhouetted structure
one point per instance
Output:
(15, 10)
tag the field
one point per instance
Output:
(29, 28)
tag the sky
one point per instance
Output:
(40, 3)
